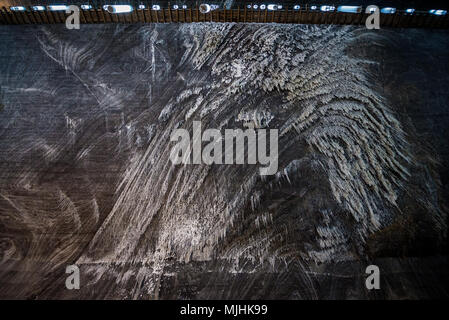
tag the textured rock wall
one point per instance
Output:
(85, 176)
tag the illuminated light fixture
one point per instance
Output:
(118, 8)
(263, 7)
(438, 12)
(141, 6)
(280, 7)
(272, 7)
(296, 7)
(156, 7)
(248, 6)
(86, 6)
(184, 6)
(255, 6)
(313, 7)
(58, 7)
(350, 9)
(205, 8)
(38, 8)
(18, 8)
(327, 8)
(175, 7)
(409, 10)
(388, 10)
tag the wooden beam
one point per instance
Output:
(191, 15)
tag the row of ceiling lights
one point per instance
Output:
(206, 8)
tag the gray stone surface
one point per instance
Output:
(85, 176)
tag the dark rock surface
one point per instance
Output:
(85, 175)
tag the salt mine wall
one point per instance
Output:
(86, 178)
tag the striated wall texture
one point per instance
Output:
(85, 177)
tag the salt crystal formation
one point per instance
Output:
(85, 176)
